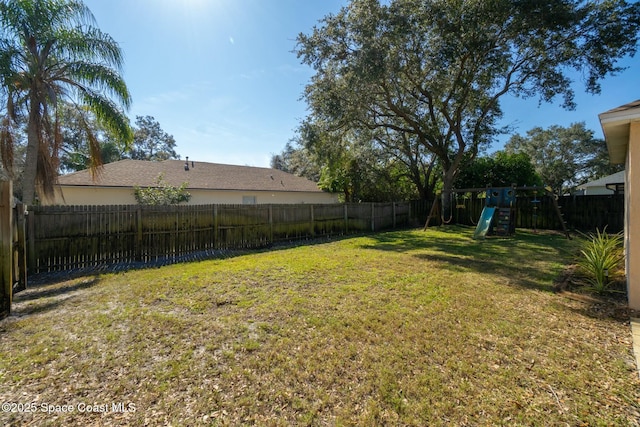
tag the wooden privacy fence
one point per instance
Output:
(6, 239)
(13, 273)
(73, 237)
(585, 213)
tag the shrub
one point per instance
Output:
(601, 254)
(162, 194)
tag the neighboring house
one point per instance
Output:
(208, 183)
(612, 184)
(621, 128)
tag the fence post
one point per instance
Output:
(215, 227)
(373, 216)
(346, 219)
(6, 248)
(20, 248)
(270, 223)
(393, 207)
(139, 234)
(31, 238)
(313, 227)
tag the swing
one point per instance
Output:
(535, 198)
(463, 205)
(474, 223)
(450, 211)
(535, 202)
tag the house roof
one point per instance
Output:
(200, 175)
(623, 108)
(616, 178)
(615, 125)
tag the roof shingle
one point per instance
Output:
(210, 176)
(625, 107)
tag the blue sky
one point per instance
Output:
(221, 77)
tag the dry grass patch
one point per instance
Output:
(406, 328)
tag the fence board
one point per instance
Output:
(585, 213)
(75, 237)
(19, 253)
(63, 238)
(6, 248)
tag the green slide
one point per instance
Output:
(484, 223)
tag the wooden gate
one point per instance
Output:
(6, 250)
(13, 267)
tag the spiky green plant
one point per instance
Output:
(601, 254)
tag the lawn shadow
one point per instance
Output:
(51, 290)
(493, 268)
(611, 307)
(46, 297)
(54, 277)
(455, 249)
(26, 309)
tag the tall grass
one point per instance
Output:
(601, 255)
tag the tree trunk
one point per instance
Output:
(31, 159)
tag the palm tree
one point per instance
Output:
(52, 53)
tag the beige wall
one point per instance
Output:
(632, 229)
(124, 196)
(597, 191)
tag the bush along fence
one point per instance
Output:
(60, 238)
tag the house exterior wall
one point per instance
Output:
(632, 229)
(69, 195)
(599, 190)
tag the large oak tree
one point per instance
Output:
(433, 72)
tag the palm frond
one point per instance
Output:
(47, 169)
(108, 114)
(86, 76)
(91, 44)
(95, 149)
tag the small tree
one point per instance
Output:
(150, 142)
(564, 157)
(297, 161)
(162, 194)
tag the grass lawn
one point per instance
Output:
(398, 328)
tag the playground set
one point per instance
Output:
(498, 215)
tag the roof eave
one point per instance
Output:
(251, 190)
(615, 126)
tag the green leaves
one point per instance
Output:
(52, 53)
(150, 142)
(162, 193)
(564, 157)
(501, 170)
(434, 71)
(601, 255)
